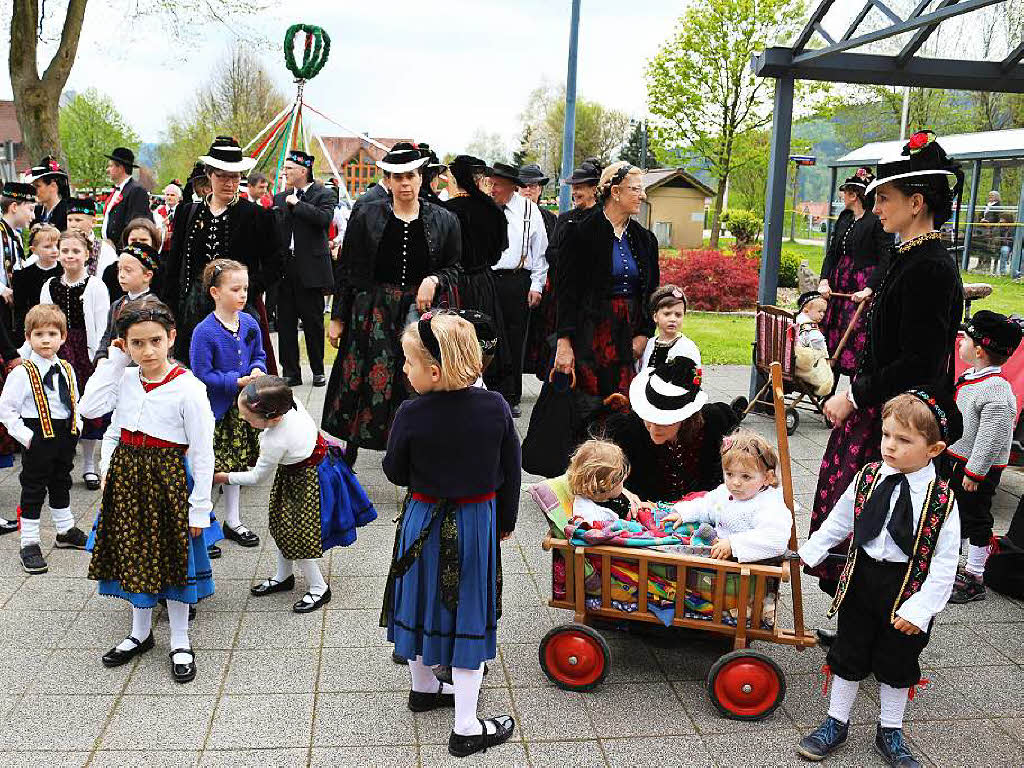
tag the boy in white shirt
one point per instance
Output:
(39, 407)
(906, 539)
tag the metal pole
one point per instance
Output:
(775, 202)
(792, 214)
(833, 174)
(905, 117)
(965, 260)
(569, 129)
(643, 147)
(1018, 236)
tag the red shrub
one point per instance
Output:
(718, 281)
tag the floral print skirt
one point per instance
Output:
(367, 383)
(850, 447)
(236, 444)
(143, 550)
(604, 347)
(840, 314)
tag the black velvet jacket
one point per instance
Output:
(645, 480)
(362, 241)
(870, 243)
(585, 270)
(484, 231)
(912, 325)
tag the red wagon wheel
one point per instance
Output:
(746, 685)
(575, 657)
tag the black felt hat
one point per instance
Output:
(993, 332)
(226, 155)
(532, 174)
(433, 162)
(471, 163)
(124, 156)
(83, 205)
(16, 190)
(943, 408)
(301, 158)
(589, 172)
(48, 168)
(486, 331)
(922, 156)
(402, 160)
(806, 297)
(506, 171)
(144, 254)
(859, 181)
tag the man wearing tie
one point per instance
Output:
(520, 273)
(305, 211)
(128, 200)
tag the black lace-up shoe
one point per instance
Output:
(891, 745)
(821, 743)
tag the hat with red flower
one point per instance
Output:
(48, 168)
(922, 155)
(859, 181)
(671, 392)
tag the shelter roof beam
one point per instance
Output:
(1013, 58)
(812, 25)
(920, 36)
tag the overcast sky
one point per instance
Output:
(434, 70)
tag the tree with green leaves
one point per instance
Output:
(239, 99)
(90, 127)
(37, 96)
(699, 85)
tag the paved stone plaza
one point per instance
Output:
(276, 688)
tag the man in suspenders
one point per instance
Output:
(520, 273)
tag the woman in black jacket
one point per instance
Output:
(484, 236)
(395, 257)
(219, 226)
(607, 270)
(857, 259)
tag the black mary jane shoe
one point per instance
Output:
(183, 673)
(308, 606)
(397, 658)
(826, 637)
(115, 657)
(270, 586)
(319, 380)
(424, 702)
(213, 552)
(464, 746)
(92, 481)
(241, 536)
(7, 526)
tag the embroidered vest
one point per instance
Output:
(43, 404)
(937, 504)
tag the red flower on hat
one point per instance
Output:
(862, 173)
(985, 341)
(53, 165)
(920, 140)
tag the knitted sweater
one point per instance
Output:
(220, 358)
(989, 409)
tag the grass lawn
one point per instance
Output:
(721, 338)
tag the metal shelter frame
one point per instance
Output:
(836, 63)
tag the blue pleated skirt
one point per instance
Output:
(420, 624)
(344, 505)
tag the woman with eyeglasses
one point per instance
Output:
(221, 225)
(607, 270)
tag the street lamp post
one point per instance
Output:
(569, 129)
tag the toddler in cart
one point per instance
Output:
(596, 473)
(748, 512)
(811, 350)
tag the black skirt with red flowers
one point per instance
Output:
(367, 383)
(603, 347)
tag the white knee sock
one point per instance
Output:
(976, 559)
(467, 692)
(177, 616)
(142, 625)
(893, 704)
(88, 455)
(232, 494)
(284, 568)
(63, 520)
(29, 531)
(423, 680)
(315, 583)
(844, 693)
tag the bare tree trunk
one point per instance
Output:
(716, 212)
(36, 98)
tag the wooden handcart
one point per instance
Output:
(742, 684)
(775, 340)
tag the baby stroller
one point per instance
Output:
(775, 341)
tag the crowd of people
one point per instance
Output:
(152, 341)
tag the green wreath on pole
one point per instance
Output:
(314, 52)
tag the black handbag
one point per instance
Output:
(554, 427)
(1004, 571)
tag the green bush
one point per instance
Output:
(789, 266)
(744, 225)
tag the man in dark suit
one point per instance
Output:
(128, 200)
(305, 212)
